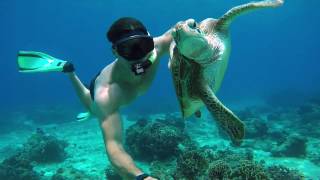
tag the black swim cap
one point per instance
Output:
(124, 27)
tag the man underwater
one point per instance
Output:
(119, 83)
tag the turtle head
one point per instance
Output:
(191, 41)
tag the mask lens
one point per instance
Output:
(137, 48)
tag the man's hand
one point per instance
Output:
(150, 178)
(145, 177)
(68, 68)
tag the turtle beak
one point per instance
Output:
(175, 35)
(179, 26)
(177, 29)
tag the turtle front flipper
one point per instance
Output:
(225, 117)
(227, 18)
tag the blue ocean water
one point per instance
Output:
(272, 49)
(275, 52)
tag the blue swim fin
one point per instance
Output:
(31, 61)
(83, 116)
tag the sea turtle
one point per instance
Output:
(198, 59)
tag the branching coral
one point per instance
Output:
(45, 148)
(70, 173)
(219, 170)
(153, 141)
(283, 173)
(249, 170)
(17, 167)
(191, 165)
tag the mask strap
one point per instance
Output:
(129, 38)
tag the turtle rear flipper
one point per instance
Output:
(225, 117)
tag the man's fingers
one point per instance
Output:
(150, 178)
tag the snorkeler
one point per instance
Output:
(119, 83)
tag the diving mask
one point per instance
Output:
(134, 47)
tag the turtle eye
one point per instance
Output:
(194, 25)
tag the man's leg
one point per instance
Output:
(82, 92)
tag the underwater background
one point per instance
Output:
(272, 83)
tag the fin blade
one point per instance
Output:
(32, 61)
(83, 116)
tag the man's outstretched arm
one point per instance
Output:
(107, 102)
(162, 43)
(111, 128)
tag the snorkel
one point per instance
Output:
(140, 67)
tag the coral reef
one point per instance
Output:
(44, 148)
(267, 129)
(17, 167)
(172, 120)
(313, 151)
(163, 170)
(310, 115)
(71, 173)
(153, 140)
(41, 148)
(8, 150)
(283, 173)
(279, 136)
(219, 170)
(233, 158)
(294, 146)
(191, 165)
(228, 164)
(111, 174)
(249, 170)
(219, 165)
(256, 128)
